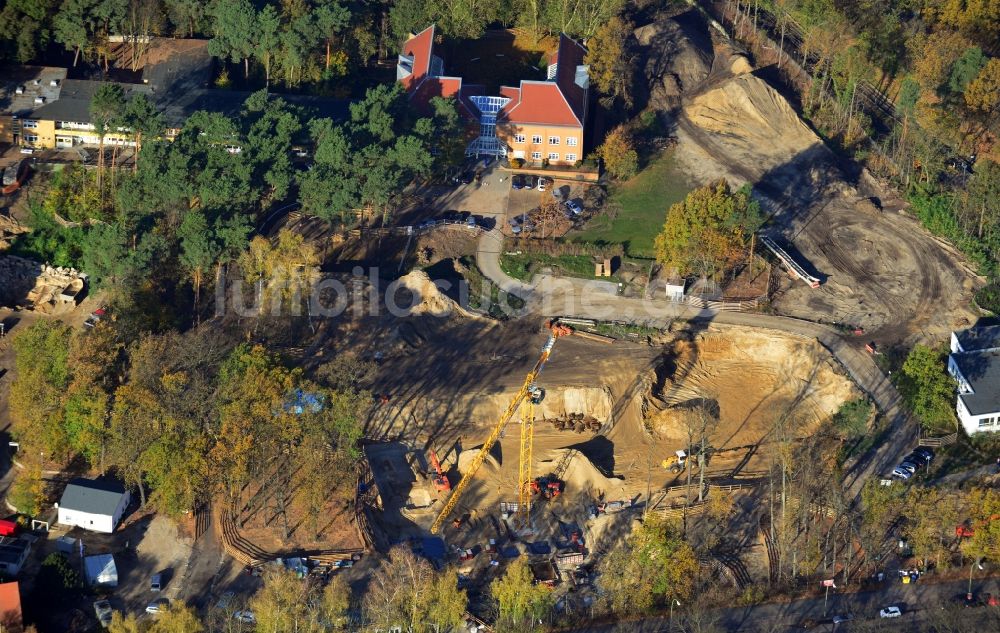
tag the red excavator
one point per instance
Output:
(441, 482)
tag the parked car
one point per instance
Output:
(924, 452)
(529, 182)
(910, 466)
(156, 582)
(841, 618)
(543, 183)
(515, 225)
(574, 206)
(890, 612)
(245, 616)
(901, 473)
(471, 221)
(158, 606)
(453, 216)
(914, 458)
(462, 178)
(517, 182)
(559, 193)
(102, 608)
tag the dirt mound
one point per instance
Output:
(490, 467)
(582, 477)
(757, 378)
(678, 56)
(424, 297)
(751, 124)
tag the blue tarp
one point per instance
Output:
(302, 401)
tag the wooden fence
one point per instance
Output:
(935, 442)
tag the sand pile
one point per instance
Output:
(747, 121)
(582, 477)
(757, 378)
(426, 297)
(678, 56)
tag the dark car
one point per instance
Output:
(517, 182)
(462, 178)
(464, 215)
(453, 216)
(924, 452)
(529, 182)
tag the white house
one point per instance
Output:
(975, 363)
(93, 504)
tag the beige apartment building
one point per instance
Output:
(537, 121)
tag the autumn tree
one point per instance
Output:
(709, 231)
(521, 604)
(931, 517)
(36, 395)
(549, 218)
(283, 271)
(618, 154)
(610, 57)
(653, 566)
(984, 508)
(289, 604)
(407, 592)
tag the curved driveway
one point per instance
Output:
(548, 296)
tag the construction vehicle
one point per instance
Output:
(548, 487)
(556, 330)
(441, 483)
(676, 462)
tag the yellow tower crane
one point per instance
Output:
(524, 466)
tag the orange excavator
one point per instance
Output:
(441, 482)
(967, 530)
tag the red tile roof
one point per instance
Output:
(540, 102)
(569, 56)
(420, 47)
(10, 607)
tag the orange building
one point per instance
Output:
(537, 121)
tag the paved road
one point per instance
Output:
(918, 602)
(549, 296)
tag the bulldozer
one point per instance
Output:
(676, 462)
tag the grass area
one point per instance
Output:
(642, 205)
(524, 265)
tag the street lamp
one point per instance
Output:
(673, 601)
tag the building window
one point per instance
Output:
(536, 155)
(571, 141)
(536, 139)
(986, 422)
(571, 158)
(553, 156)
(29, 124)
(519, 138)
(553, 140)
(30, 138)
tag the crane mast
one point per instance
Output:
(555, 331)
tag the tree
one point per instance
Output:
(106, 109)
(610, 59)
(927, 388)
(42, 376)
(619, 155)
(73, 26)
(268, 38)
(653, 566)
(406, 591)
(521, 604)
(709, 230)
(234, 32)
(983, 93)
(27, 493)
(984, 508)
(331, 19)
(199, 250)
(142, 118)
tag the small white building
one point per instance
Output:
(975, 363)
(93, 504)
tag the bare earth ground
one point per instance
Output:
(880, 270)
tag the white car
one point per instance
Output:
(890, 612)
(543, 184)
(574, 206)
(902, 473)
(157, 606)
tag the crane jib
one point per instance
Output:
(480, 457)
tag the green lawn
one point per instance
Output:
(525, 265)
(642, 206)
